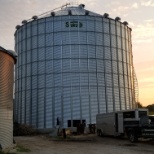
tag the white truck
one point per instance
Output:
(133, 123)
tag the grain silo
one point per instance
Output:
(73, 64)
(7, 61)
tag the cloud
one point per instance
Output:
(143, 33)
(150, 85)
(147, 3)
(135, 6)
(120, 10)
(149, 20)
(146, 82)
(125, 15)
(146, 69)
(124, 9)
(131, 23)
(143, 41)
(145, 73)
(147, 86)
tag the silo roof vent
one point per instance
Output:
(24, 21)
(35, 17)
(117, 19)
(82, 6)
(125, 23)
(106, 15)
(53, 14)
(18, 26)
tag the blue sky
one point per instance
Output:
(138, 13)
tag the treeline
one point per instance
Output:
(149, 107)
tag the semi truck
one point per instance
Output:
(134, 124)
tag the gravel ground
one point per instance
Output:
(84, 144)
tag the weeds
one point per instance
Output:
(22, 149)
(23, 129)
(7, 152)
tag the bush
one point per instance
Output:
(151, 107)
(23, 129)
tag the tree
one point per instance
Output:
(139, 105)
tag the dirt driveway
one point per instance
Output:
(87, 144)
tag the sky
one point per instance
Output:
(138, 13)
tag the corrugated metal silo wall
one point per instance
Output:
(6, 99)
(72, 67)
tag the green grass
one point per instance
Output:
(22, 149)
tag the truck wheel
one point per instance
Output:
(101, 134)
(121, 136)
(132, 137)
(98, 132)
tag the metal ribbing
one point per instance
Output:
(122, 46)
(21, 79)
(98, 106)
(88, 78)
(20, 96)
(132, 66)
(45, 89)
(113, 97)
(103, 39)
(37, 106)
(61, 77)
(17, 103)
(80, 76)
(26, 76)
(31, 103)
(53, 88)
(6, 99)
(105, 83)
(127, 73)
(71, 102)
(118, 67)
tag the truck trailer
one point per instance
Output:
(134, 123)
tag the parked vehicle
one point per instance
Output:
(133, 123)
